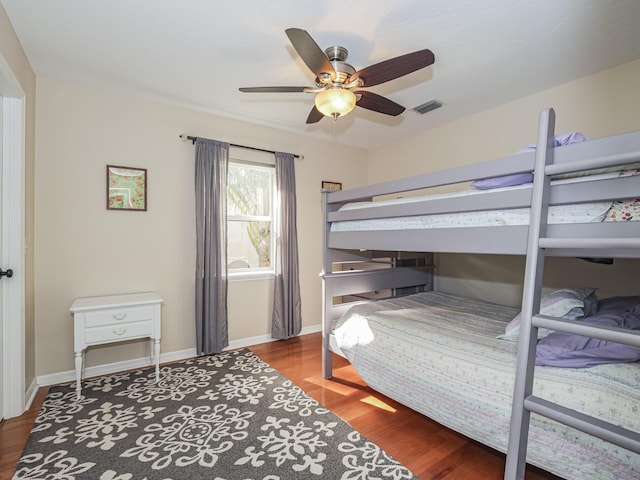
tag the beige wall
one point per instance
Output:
(599, 105)
(85, 250)
(13, 55)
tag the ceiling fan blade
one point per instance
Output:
(310, 52)
(378, 103)
(314, 115)
(272, 89)
(394, 67)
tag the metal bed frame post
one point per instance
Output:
(327, 299)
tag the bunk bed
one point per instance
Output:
(441, 354)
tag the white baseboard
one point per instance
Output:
(247, 342)
(70, 375)
(30, 394)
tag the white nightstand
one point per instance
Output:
(101, 320)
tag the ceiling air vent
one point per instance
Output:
(427, 107)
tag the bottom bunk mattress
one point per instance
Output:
(438, 354)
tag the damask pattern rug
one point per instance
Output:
(221, 417)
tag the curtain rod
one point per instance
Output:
(184, 137)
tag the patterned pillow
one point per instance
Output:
(570, 303)
(624, 211)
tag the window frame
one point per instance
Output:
(255, 273)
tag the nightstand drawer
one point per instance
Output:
(116, 316)
(115, 333)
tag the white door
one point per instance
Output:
(12, 245)
(2, 386)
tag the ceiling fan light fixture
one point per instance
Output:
(335, 102)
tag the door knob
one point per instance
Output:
(6, 273)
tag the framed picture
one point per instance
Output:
(126, 188)
(327, 185)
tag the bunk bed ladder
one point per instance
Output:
(524, 402)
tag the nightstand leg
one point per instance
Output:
(156, 347)
(78, 374)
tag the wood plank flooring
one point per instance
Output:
(430, 451)
(14, 434)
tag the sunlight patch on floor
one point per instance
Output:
(376, 402)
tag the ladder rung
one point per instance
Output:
(612, 334)
(602, 243)
(594, 426)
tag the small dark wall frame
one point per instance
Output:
(126, 188)
(328, 185)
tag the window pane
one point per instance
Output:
(249, 244)
(250, 197)
(249, 190)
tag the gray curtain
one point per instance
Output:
(212, 160)
(286, 320)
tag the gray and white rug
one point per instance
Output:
(221, 417)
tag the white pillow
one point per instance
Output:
(570, 303)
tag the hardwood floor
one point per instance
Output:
(429, 450)
(14, 434)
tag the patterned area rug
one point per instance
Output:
(221, 417)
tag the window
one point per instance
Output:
(250, 218)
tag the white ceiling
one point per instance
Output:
(198, 52)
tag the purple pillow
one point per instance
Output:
(561, 349)
(618, 304)
(505, 181)
(559, 141)
(522, 178)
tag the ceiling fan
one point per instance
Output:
(338, 84)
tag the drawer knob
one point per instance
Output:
(119, 316)
(119, 331)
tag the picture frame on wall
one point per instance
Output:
(126, 188)
(329, 185)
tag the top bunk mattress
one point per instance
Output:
(587, 212)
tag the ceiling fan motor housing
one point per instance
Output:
(337, 56)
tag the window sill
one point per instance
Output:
(249, 276)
